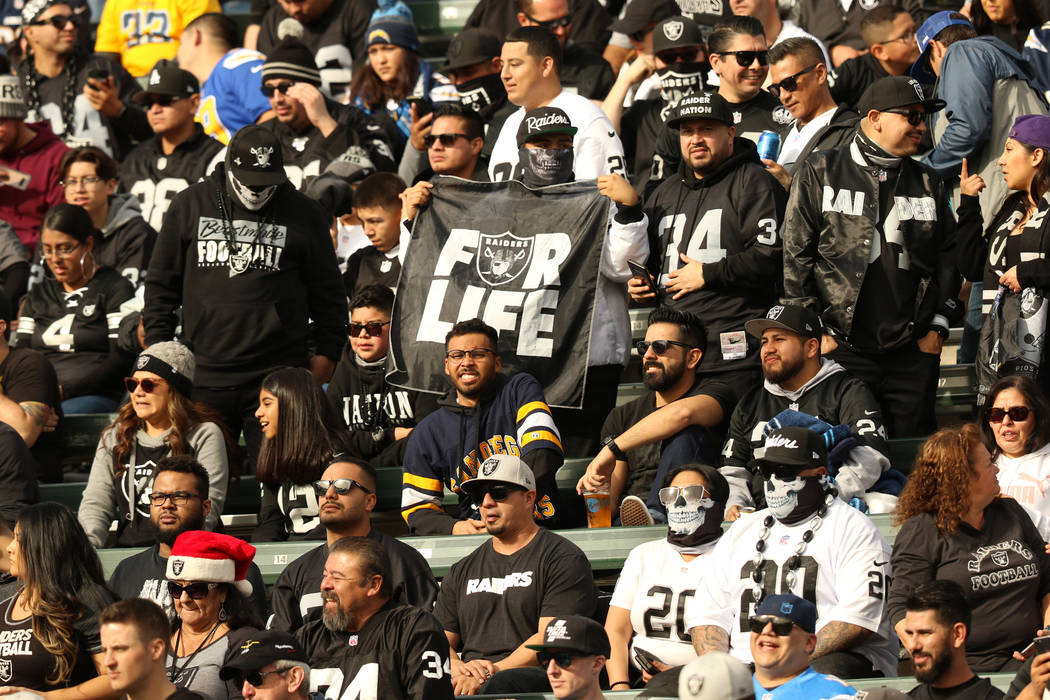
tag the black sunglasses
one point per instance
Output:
(341, 486)
(551, 24)
(659, 346)
(790, 83)
(781, 625)
(195, 590)
(374, 328)
(282, 88)
(780, 472)
(746, 58)
(162, 100)
(561, 658)
(499, 492)
(255, 678)
(1017, 414)
(148, 385)
(447, 140)
(914, 116)
(57, 21)
(681, 56)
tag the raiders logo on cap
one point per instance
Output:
(489, 466)
(918, 88)
(176, 566)
(775, 312)
(141, 362)
(673, 30)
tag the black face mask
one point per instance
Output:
(792, 502)
(690, 527)
(545, 166)
(480, 93)
(680, 79)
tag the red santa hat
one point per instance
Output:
(198, 555)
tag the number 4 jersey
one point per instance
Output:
(845, 572)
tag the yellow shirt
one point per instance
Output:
(145, 31)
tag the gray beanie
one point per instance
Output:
(12, 101)
(171, 361)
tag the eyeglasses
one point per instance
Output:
(746, 58)
(563, 659)
(907, 37)
(255, 678)
(162, 100)
(282, 88)
(148, 385)
(374, 328)
(476, 354)
(341, 486)
(1017, 414)
(86, 181)
(60, 252)
(659, 346)
(692, 494)
(179, 498)
(552, 24)
(790, 83)
(914, 116)
(57, 21)
(195, 590)
(781, 625)
(499, 492)
(447, 140)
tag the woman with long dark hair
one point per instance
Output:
(73, 316)
(1009, 20)
(1010, 256)
(301, 433)
(158, 420)
(55, 613)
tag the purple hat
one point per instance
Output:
(1032, 130)
(938, 22)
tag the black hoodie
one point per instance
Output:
(243, 325)
(729, 221)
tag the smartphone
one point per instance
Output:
(423, 105)
(641, 271)
(99, 74)
(646, 661)
(1039, 645)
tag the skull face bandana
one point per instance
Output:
(252, 199)
(792, 501)
(692, 522)
(545, 166)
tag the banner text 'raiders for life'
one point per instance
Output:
(524, 261)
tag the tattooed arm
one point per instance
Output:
(707, 638)
(838, 636)
(29, 418)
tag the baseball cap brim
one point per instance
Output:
(560, 647)
(757, 326)
(255, 178)
(570, 130)
(140, 98)
(471, 484)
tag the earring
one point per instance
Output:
(223, 615)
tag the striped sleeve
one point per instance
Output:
(421, 486)
(534, 422)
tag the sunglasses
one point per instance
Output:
(162, 100)
(195, 590)
(659, 346)
(746, 58)
(255, 678)
(447, 140)
(692, 494)
(781, 625)
(341, 486)
(780, 472)
(552, 24)
(57, 21)
(790, 83)
(914, 116)
(374, 328)
(1017, 414)
(148, 385)
(683, 56)
(499, 492)
(562, 658)
(269, 90)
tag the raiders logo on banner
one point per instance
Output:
(524, 261)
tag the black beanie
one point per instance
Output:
(291, 59)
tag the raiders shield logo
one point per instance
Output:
(694, 683)
(262, 156)
(489, 466)
(502, 258)
(176, 566)
(673, 30)
(1000, 558)
(141, 362)
(782, 116)
(5, 670)
(775, 312)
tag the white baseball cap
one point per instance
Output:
(502, 469)
(715, 676)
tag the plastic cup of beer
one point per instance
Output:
(599, 513)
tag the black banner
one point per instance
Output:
(524, 261)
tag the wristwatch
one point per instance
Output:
(619, 454)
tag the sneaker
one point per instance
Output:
(634, 512)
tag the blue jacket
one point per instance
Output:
(808, 685)
(967, 83)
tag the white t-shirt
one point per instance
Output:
(655, 585)
(797, 139)
(845, 572)
(1027, 480)
(598, 150)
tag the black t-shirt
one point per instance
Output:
(138, 532)
(297, 594)
(586, 73)
(29, 663)
(143, 576)
(849, 81)
(976, 688)
(26, 375)
(183, 694)
(368, 266)
(494, 602)
(18, 487)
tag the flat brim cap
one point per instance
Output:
(258, 649)
(893, 92)
(676, 32)
(641, 13)
(254, 157)
(934, 25)
(792, 607)
(574, 633)
(794, 447)
(544, 120)
(502, 469)
(797, 319)
(471, 46)
(166, 78)
(701, 105)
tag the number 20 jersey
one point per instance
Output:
(845, 572)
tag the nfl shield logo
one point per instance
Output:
(502, 258)
(673, 30)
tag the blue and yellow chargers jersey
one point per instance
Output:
(232, 97)
(449, 445)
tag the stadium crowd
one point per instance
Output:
(253, 246)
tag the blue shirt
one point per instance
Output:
(809, 685)
(232, 96)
